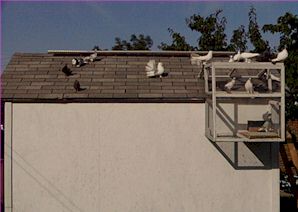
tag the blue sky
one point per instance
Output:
(39, 26)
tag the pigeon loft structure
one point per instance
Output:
(236, 114)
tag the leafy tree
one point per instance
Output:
(96, 48)
(211, 29)
(254, 33)
(140, 42)
(178, 43)
(287, 27)
(238, 40)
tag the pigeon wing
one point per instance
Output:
(151, 68)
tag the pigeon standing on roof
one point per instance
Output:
(249, 86)
(78, 62)
(67, 71)
(230, 85)
(151, 68)
(160, 69)
(77, 85)
(198, 59)
(281, 56)
(155, 71)
(247, 56)
(90, 58)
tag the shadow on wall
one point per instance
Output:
(249, 156)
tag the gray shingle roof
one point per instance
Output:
(37, 77)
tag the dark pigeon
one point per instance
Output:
(67, 71)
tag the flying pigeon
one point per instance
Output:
(160, 69)
(78, 62)
(281, 56)
(249, 86)
(77, 85)
(230, 85)
(198, 59)
(67, 71)
(247, 56)
(237, 57)
(151, 68)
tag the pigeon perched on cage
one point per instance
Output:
(267, 126)
(249, 86)
(247, 56)
(237, 57)
(230, 85)
(199, 59)
(281, 56)
(231, 59)
(272, 77)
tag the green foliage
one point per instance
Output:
(254, 33)
(211, 29)
(96, 48)
(287, 27)
(178, 43)
(238, 40)
(139, 42)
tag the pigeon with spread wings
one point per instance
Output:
(199, 59)
(155, 71)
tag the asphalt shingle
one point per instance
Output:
(39, 77)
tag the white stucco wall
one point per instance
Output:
(132, 158)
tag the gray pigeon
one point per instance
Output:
(67, 71)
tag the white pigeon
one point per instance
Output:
(248, 55)
(90, 58)
(151, 68)
(231, 59)
(198, 59)
(281, 56)
(230, 85)
(160, 69)
(237, 56)
(93, 56)
(249, 86)
(272, 77)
